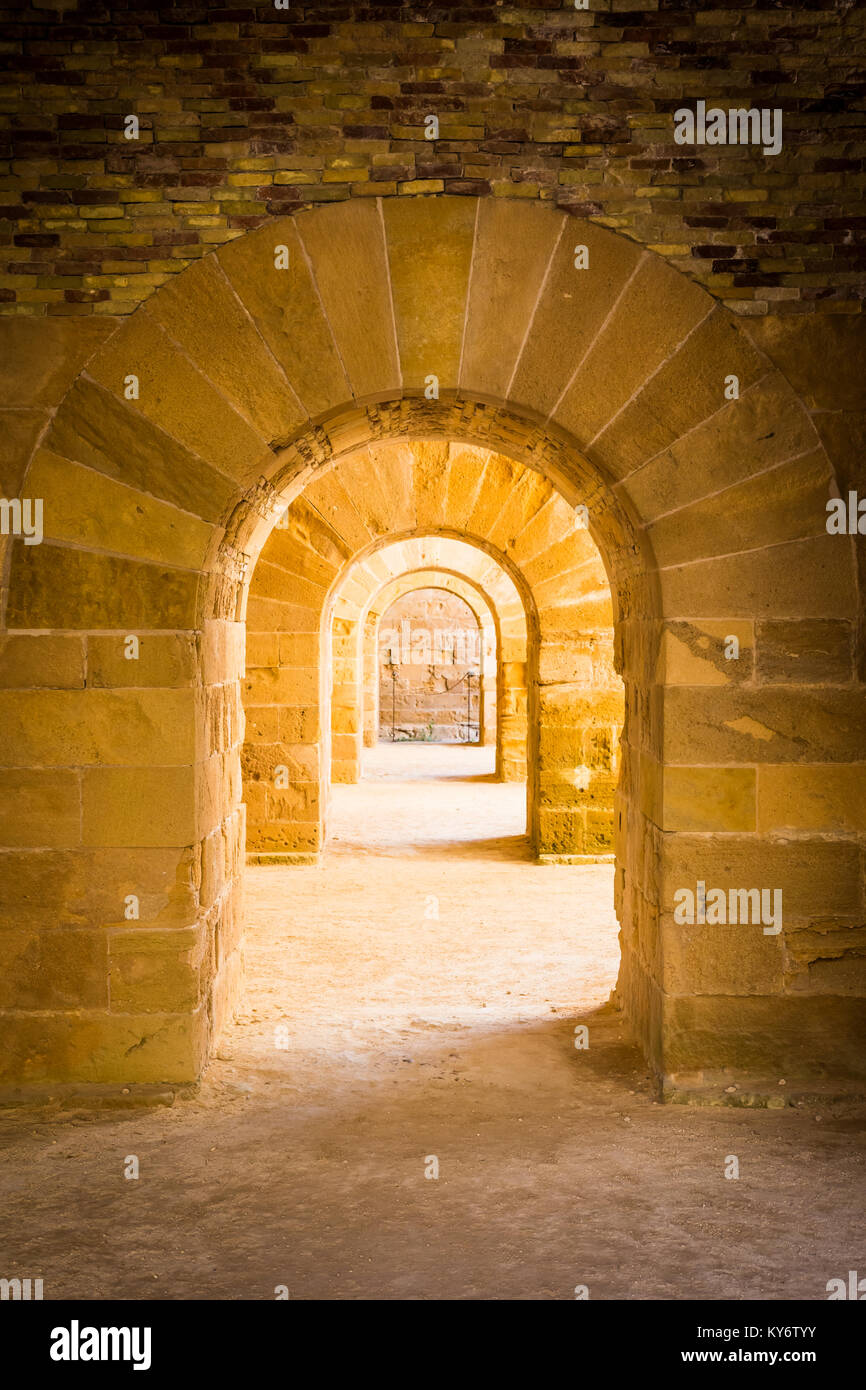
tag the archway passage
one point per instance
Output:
(383, 511)
(430, 666)
(241, 384)
(459, 568)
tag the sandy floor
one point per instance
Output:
(428, 978)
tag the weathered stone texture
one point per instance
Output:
(124, 777)
(252, 113)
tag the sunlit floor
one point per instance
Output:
(415, 996)
(431, 800)
(427, 914)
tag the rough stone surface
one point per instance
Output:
(706, 522)
(251, 113)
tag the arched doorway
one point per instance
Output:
(463, 569)
(345, 531)
(440, 319)
(430, 660)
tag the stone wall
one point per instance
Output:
(248, 112)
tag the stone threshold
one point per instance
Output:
(287, 857)
(755, 1094)
(94, 1096)
(576, 859)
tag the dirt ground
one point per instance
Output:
(429, 978)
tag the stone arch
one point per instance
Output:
(609, 381)
(460, 564)
(486, 621)
(415, 494)
(480, 581)
(500, 611)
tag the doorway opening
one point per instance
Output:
(429, 643)
(432, 683)
(430, 667)
(303, 392)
